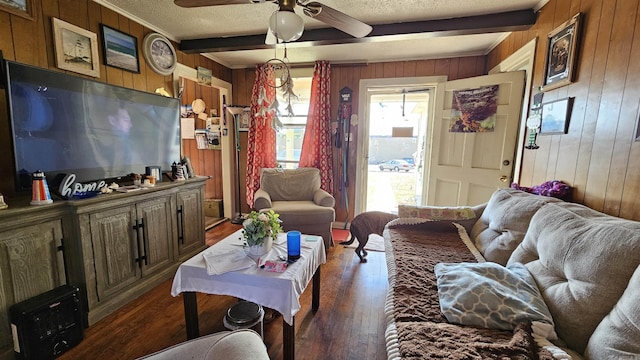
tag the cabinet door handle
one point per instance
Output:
(181, 224)
(139, 258)
(144, 243)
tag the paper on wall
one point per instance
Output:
(187, 128)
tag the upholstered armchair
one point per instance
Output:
(228, 345)
(295, 194)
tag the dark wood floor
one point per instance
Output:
(349, 324)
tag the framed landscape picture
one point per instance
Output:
(637, 132)
(23, 8)
(76, 48)
(119, 50)
(555, 116)
(562, 47)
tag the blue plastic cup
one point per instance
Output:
(293, 245)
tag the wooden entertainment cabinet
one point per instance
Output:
(113, 247)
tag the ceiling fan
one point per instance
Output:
(285, 25)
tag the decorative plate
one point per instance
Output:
(159, 53)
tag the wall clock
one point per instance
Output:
(159, 53)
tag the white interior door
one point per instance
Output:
(466, 168)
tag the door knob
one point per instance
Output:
(506, 163)
(504, 178)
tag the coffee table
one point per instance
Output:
(278, 291)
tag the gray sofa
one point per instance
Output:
(586, 266)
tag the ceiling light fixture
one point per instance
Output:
(286, 25)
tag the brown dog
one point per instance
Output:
(365, 224)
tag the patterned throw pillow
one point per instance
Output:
(489, 295)
(436, 213)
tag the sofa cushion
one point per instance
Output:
(582, 261)
(618, 335)
(303, 212)
(490, 295)
(436, 212)
(290, 184)
(504, 222)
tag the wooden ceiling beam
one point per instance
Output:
(480, 24)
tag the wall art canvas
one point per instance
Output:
(474, 110)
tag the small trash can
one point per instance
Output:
(245, 315)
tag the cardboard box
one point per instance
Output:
(213, 208)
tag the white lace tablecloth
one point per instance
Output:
(278, 291)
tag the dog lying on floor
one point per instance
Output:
(365, 224)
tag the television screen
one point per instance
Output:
(65, 124)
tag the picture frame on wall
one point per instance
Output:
(555, 116)
(119, 50)
(22, 8)
(562, 49)
(637, 132)
(76, 48)
(244, 121)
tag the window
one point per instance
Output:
(289, 137)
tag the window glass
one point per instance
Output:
(289, 137)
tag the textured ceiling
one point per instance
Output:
(179, 24)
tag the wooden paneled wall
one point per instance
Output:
(31, 42)
(598, 156)
(350, 75)
(205, 162)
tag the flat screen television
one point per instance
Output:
(65, 124)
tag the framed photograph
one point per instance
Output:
(637, 132)
(76, 48)
(159, 54)
(119, 50)
(555, 116)
(562, 48)
(23, 8)
(204, 76)
(244, 121)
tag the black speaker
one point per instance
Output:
(47, 325)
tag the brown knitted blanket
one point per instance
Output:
(423, 332)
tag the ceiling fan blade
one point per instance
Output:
(199, 3)
(337, 19)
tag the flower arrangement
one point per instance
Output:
(259, 225)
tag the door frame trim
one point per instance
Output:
(522, 59)
(362, 121)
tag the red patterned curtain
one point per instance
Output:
(261, 143)
(316, 146)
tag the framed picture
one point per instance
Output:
(555, 116)
(204, 76)
(562, 48)
(159, 54)
(244, 121)
(23, 8)
(637, 132)
(76, 48)
(119, 50)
